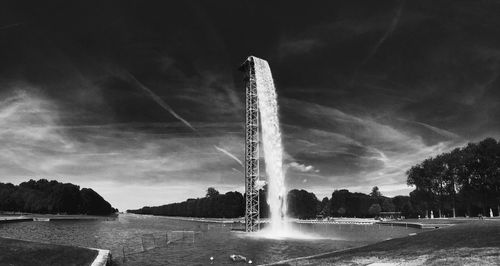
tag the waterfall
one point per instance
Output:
(272, 145)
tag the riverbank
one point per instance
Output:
(20, 253)
(26, 217)
(468, 241)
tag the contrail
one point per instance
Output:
(440, 131)
(162, 103)
(386, 35)
(228, 154)
(237, 171)
(167, 107)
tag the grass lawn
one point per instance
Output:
(476, 242)
(18, 252)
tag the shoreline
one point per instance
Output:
(26, 252)
(103, 256)
(27, 217)
(443, 224)
(477, 238)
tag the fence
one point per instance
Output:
(172, 239)
(148, 242)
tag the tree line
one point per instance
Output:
(344, 203)
(301, 204)
(213, 205)
(52, 197)
(462, 182)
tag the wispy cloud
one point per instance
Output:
(333, 149)
(355, 151)
(302, 167)
(228, 154)
(159, 101)
(443, 132)
(35, 145)
(81, 116)
(386, 34)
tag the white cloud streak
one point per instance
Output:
(302, 167)
(160, 101)
(386, 34)
(228, 154)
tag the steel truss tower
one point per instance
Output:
(251, 148)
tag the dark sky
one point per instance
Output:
(366, 89)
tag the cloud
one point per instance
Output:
(324, 146)
(302, 167)
(351, 150)
(442, 132)
(386, 34)
(229, 154)
(159, 101)
(35, 144)
(335, 148)
(78, 118)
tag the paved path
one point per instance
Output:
(103, 257)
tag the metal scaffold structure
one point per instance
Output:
(251, 148)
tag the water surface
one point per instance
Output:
(142, 240)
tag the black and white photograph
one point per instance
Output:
(196, 132)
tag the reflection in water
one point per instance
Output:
(210, 240)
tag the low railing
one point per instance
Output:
(169, 239)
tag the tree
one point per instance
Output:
(338, 201)
(374, 209)
(388, 206)
(93, 203)
(302, 204)
(229, 205)
(407, 209)
(324, 208)
(211, 192)
(45, 196)
(464, 181)
(375, 192)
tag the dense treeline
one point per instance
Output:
(52, 197)
(301, 204)
(465, 181)
(354, 204)
(213, 205)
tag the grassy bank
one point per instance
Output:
(475, 242)
(20, 253)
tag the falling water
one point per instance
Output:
(273, 150)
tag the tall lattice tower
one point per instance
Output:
(251, 148)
